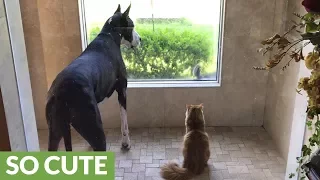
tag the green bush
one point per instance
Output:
(93, 33)
(169, 52)
(166, 21)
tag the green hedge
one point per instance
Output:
(157, 21)
(168, 52)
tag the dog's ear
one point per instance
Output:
(118, 10)
(126, 13)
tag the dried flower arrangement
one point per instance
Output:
(282, 46)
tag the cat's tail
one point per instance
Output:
(172, 171)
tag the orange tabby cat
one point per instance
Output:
(196, 150)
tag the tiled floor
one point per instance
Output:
(236, 153)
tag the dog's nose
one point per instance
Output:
(140, 39)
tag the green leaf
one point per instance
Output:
(291, 175)
(304, 147)
(306, 150)
(314, 38)
(311, 27)
(309, 123)
(309, 16)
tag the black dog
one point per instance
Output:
(75, 93)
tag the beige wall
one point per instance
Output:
(53, 40)
(281, 105)
(52, 37)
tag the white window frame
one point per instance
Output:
(16, 86)
(167, 83)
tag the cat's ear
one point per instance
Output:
(201, 106)
(188, 106)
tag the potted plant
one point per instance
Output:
(285, 49)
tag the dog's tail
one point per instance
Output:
(58, 120)
(172, 171)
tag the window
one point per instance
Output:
(180, 39)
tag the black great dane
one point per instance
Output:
(75, 93)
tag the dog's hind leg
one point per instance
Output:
(93, 134)
(87, 122)
(122, 98)
(54, 140)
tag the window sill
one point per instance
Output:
(173, 84)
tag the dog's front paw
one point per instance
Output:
(125, 146)
(125, 143)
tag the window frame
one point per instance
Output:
(16, 87)
(167, 83)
